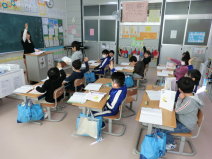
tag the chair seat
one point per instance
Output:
(112, 117)
(47, 104)
(182, 134)
(129, 99)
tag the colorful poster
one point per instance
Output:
(148, 35)
(148, 28)
(154, 16)
(196, 37)
(31, 6)
(10, 4)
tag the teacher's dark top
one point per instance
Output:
(28, 47)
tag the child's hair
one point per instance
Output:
(119, 78)
(147, 52)
(195, 74)
(185, 59)
(105, 51)
(77, 64)
(186, 85)
(53, 73)
(186, 55)
(76, 44)
(111, 51)
(133, 59)
(144, 49)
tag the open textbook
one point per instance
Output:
(95, 96)
(153, 95)
(24, 89)
(93, 86)
(77, 97)
(167, 99)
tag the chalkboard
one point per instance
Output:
(177, 8)
(197, 34)
(174, 31)
(201, 7)
(91, 30)
(107, 30)
(12, 25)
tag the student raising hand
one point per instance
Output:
(111, 65)
(26, 26)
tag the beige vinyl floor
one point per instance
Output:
(56, 140)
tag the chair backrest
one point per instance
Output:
(146, 69)
(200, 117)
(78, 82)
(120, 109)
(58, 92)
(132, 91)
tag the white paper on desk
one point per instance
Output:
(129, 68)
(67, 60)
(170, 65)
(38, 52)
(23, 89)
(125, 63)
(162, 74)
(170, 83)
(150, 115)
(118, 68)
(168, 72)
(161, 67)
(77, 97)
(92, 61)
(95, 96)
(34, 91)
(95, 64)
(93, 86)
(153, 95)
(167, 99)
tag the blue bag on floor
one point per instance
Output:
(129, 81)
(29, 112)
(89, 126)
(90, 77)
(153, 146)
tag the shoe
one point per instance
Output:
(170, 146)
(103, 125)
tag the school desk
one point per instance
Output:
(127, 71)
(168, 117)
(95, 105)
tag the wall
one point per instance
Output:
(58, 11)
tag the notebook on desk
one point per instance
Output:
(153, 95)
(24, 89)
(95, 96)
(167, 99)
(77, 97)
(151, 116)
(93, 86)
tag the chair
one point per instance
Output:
(184, 137)
(106, 69)
(143, 79)
(129, 100)
(115, 118)
(78, 82)
(57, 93)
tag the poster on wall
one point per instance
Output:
(196, 37)
(10, 4)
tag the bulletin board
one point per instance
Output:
(52, 32)
(198, 34)
(174, 31)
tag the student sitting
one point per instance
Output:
(138, 67)
(111, 55)
(195, 75)
(147, 57)
(76, 74)
(116, 96)
(187, 107)
(104, 62)
(77, 54)
(56, 76)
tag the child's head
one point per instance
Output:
(75, 46)
(195, 75)
(111, 53)
(186, 55)
(76, 65)
(147, 54)
(185, 85)
(105, 53)
(118, 79)
(133, 60)
(53, 73)
(184, 61)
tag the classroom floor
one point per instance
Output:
(57, 140)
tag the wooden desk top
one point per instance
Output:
(44, 53)
(125, 70)
(169, 118)
(96, 105)
(104, 80)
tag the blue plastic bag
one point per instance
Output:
(90, 77)
(98, 121)
(29, 112)
(129, 81)
(153, 146)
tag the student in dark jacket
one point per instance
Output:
(56, 76)
(78, 73)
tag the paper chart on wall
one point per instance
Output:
(173, 34)
(42, 62)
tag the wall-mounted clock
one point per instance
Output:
(50, 4)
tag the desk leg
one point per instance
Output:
(149, 129)
(138, 138)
